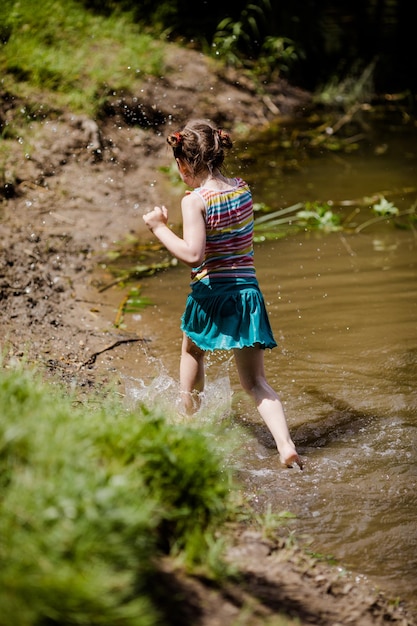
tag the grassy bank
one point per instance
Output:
(92, 495)
(58, 46)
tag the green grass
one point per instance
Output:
(58, 46)
(91, 495)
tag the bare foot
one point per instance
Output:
(292, 458)
(190, 401)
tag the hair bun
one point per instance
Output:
(175, 139)
(225, 139)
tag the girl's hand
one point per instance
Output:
(190, 247)
(155, 218)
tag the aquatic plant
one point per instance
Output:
(132, 302)
(384, 207)
(319, 216)
(133, 259)
(312, 216)
(384, 210)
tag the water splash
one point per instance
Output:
(163, 391)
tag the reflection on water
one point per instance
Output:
(344, 312)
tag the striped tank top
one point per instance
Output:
(229, 234)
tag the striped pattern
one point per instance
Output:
(229, 239)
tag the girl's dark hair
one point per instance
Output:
(201, 145)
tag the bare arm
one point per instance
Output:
(190, 248)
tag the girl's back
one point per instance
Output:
(229, 240)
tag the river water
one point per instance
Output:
(343, 307)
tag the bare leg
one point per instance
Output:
(191, 374)
(250, 365)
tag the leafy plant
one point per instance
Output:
(244, 43)
(236, 39)
(319, 216)
(277, 56)
(384, 207)
(383, 210)
(270, 522)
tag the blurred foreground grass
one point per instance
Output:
(91, 495)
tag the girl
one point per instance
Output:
(225, 309)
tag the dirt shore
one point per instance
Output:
(72, 188)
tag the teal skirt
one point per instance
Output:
(227, 315)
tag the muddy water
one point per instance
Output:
(344, 311)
